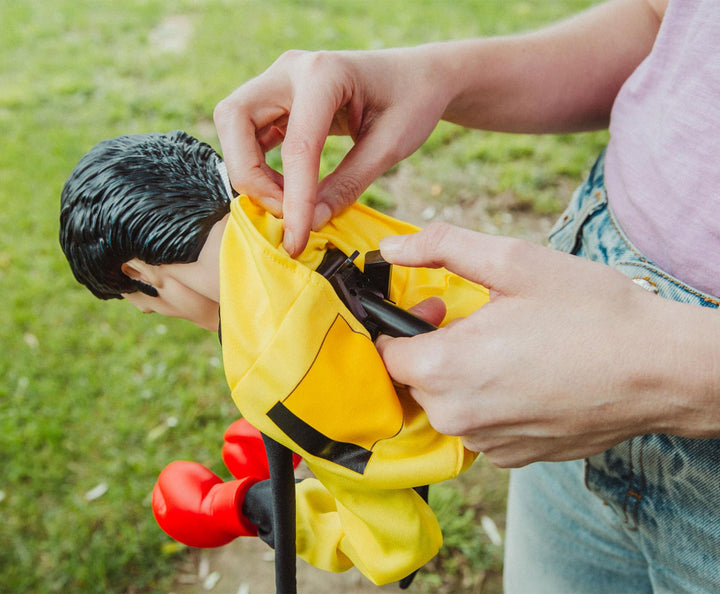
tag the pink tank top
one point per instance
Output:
(662, 169)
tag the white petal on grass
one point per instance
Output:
(96, 492)
(31, 340)
(491, 529)
(211, 581)
(160, 429)
(429, 213)
(203, 566)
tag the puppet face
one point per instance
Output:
(176, 296)
(190, 291)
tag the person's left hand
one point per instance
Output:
(388, 101)
(562, 363)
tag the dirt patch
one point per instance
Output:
(245, 566)
(499, 214)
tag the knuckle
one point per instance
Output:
(347, 187)
(497, 460)
(289, 61)
(506, 461)
(228, 109)
(446, 421)
(252, 182)
(299, 148)
(223, 110)
(440, 424)
(503, 454)
(438, 417)
(509, 253)
(303, 61)
(514, 250)
(438, 230)
(436, 237)
(432, 370)
(319, 60)
(290, 55)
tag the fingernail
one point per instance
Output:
(390, 246)
(271, 204)
(322, 216)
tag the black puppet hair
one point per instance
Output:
(149, 196)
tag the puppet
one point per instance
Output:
(152, 219)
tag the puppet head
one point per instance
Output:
(149, 196)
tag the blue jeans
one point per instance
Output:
(643, 516)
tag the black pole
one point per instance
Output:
(282, 481)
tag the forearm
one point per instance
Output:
(560, 79)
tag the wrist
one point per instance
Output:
(680, 381)
(501, 83)
(466, 71)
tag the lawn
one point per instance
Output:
(96, 399)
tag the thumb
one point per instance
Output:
(503, 264)
(373, 153)
(432, 310)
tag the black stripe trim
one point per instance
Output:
(349, 455)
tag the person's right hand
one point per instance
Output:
(568, 359)
(388, 101)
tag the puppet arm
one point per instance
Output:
(386, 534)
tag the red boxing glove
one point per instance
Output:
(193, 506)
(244, 451)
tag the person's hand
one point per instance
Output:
(387, 101)
(562, 363)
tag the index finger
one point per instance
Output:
(237, 124)
(502, 264)
(313, 109)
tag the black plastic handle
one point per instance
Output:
(391, 319)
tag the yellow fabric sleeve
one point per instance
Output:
(342, 528)
(304, 371)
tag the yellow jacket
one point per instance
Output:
(304, 371)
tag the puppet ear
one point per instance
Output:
(141, 271)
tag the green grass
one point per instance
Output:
(471, 558)
(94, 394)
